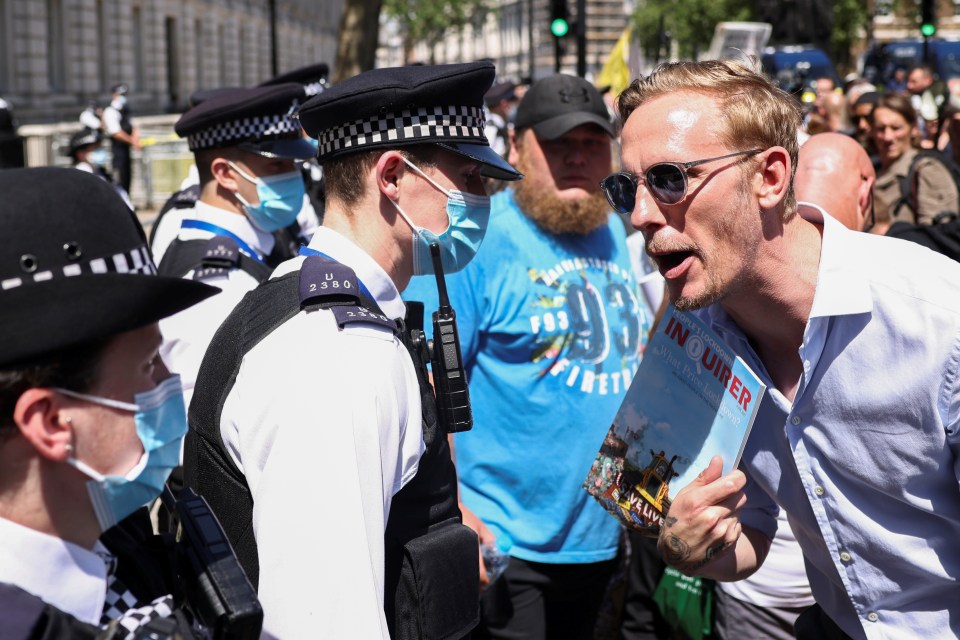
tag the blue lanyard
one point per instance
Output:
(307, 251)
(220, 231)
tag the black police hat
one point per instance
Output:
(395, 107)
(557, 104)
(260, 120)
(74, 266)
(313, 77)
(200, 96)
(500, 91)
(120, 89)
(83, 138)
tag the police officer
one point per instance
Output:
(245, 142)
(86, 153)
(314, 432)
(118, 127)
(314, 78)
(166, 225)
(90, 420)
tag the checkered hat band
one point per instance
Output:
(137, 261)
(423, 124)
(243, 130)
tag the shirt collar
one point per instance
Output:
(62, 574)
(237, 224)
(371, 274)
(843, 288)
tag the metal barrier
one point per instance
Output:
(158, 167)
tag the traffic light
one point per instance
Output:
(559, 18)
(928, 18)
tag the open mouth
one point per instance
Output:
(670, 261)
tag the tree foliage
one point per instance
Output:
(359, 34)
(850, 19)
(689, 22)
(428, 21)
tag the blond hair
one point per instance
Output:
(756, 114)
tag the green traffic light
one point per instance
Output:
(928, 29)
(559, 27)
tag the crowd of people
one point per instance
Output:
(267, 349)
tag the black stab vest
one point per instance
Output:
(432, 571)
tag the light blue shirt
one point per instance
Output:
(865, 460)
(552, 330)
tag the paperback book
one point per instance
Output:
(692, 398)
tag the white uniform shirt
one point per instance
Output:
(111, 119)
(325, 424)
(62, 574)
(187, 334)
(169, 225)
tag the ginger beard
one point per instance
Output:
(557, 215)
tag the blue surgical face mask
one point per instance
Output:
(161, 424)
(281, 198)
(467, 216)
(97, 157)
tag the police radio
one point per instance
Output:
(449, 378)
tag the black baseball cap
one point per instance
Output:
(557, 104)
(74, 266)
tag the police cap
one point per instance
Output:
(313, 77)
(260, 120)
(395, 107)
(500, 91)
(81, 139)
(74, 266)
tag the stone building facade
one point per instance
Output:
(516, 36)
(56, 55)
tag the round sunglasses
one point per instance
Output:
(666, 181)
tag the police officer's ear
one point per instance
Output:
(389, 169)
(772, 178)
(513, 156)
(44, 423)
(224, 174)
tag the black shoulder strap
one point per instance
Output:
(24, 616)
(205, 257)
(320, 283)
(909, 182)
(183, 199)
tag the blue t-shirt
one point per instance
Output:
(552, 330)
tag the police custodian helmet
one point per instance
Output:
(74, 266)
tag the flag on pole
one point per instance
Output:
(616, 70)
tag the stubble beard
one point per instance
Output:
(556, 215)
(719, 285)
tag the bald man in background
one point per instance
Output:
(835, 173)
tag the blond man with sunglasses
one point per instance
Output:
(856, 336)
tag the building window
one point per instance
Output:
(138, 67)
(173, 62)
(56, 61)
(6, 43)
(103, 45)
(198, 52)
(222, 55)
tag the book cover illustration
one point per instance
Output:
(692, 398)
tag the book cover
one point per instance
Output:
(692, 398)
